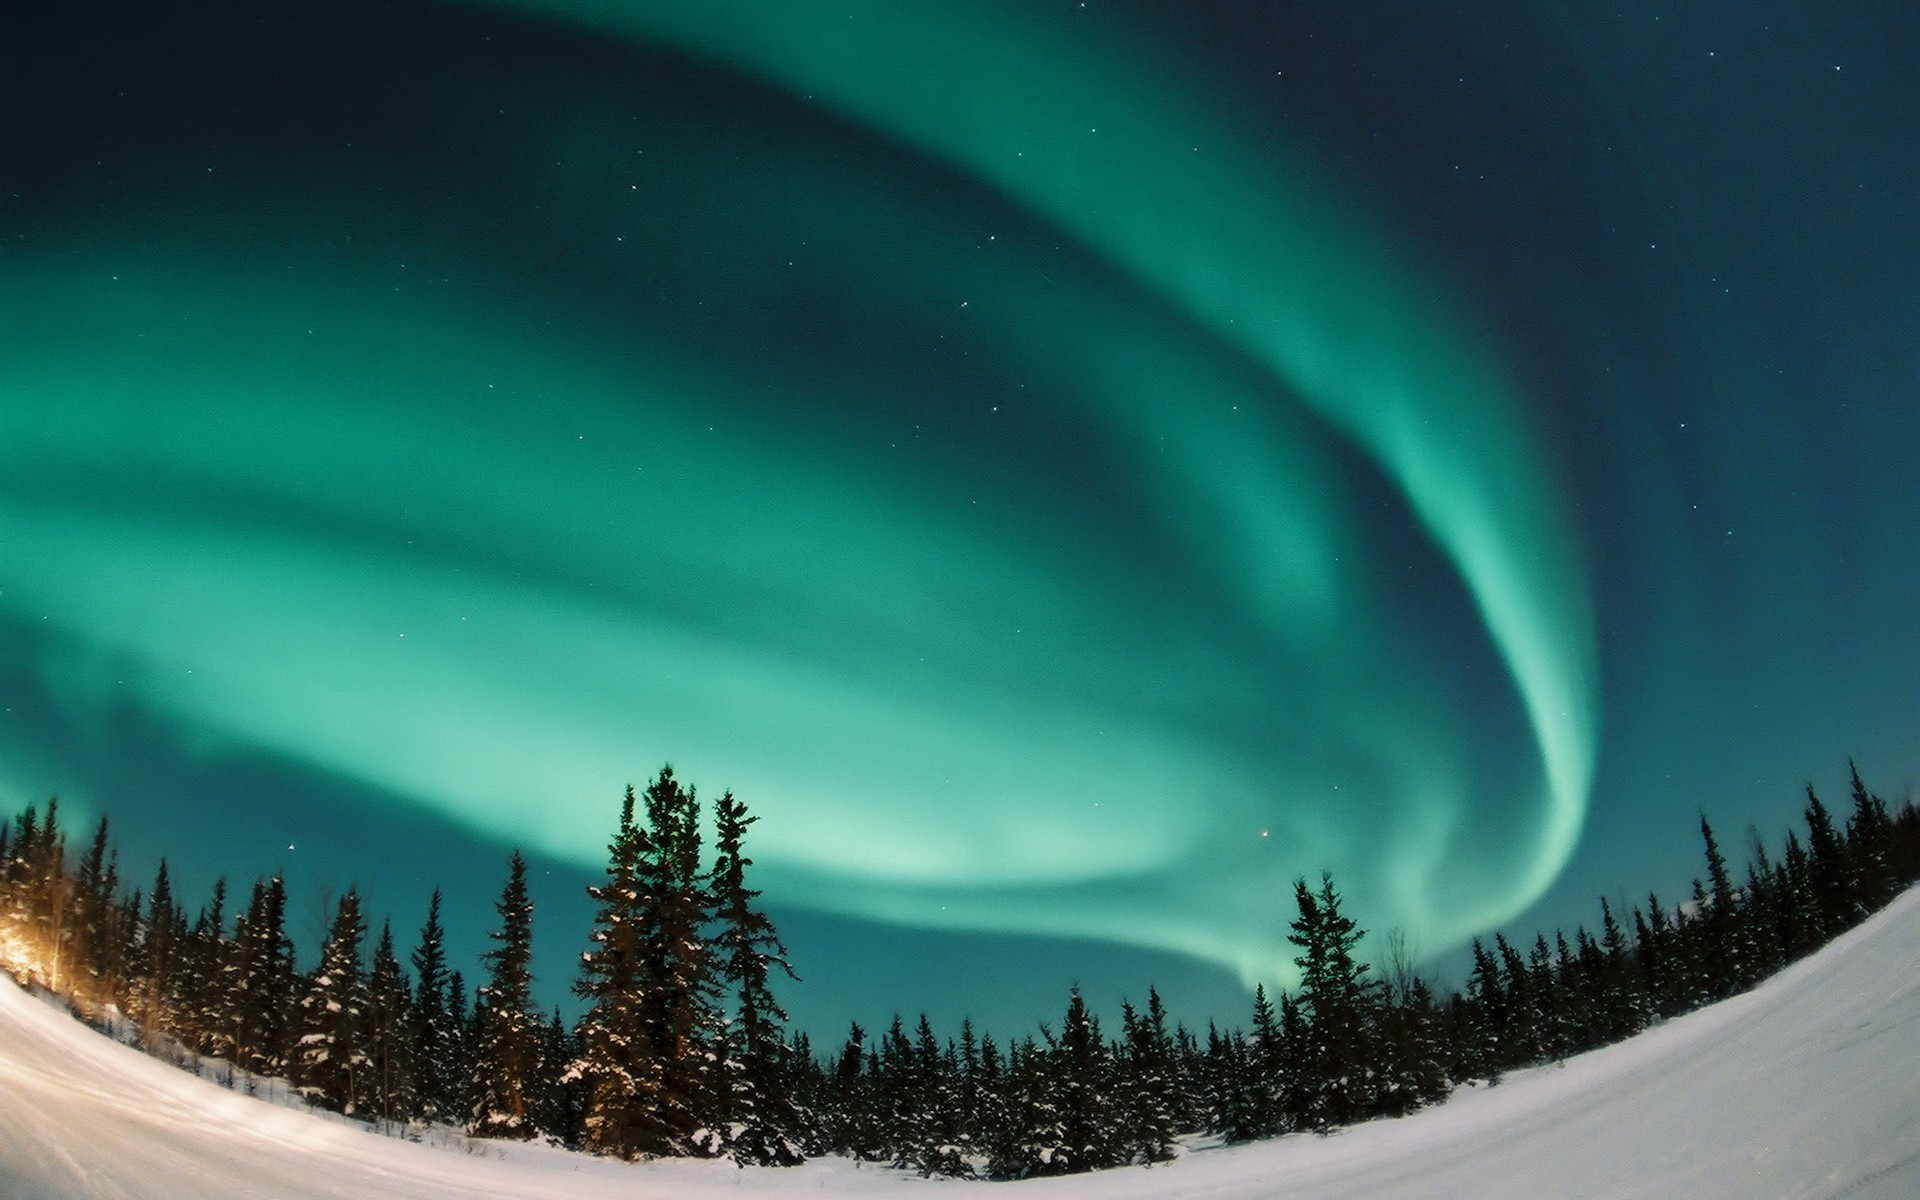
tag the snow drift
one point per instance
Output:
(1807, 1087)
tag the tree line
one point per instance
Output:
(682, 1049)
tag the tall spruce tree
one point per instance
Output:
(763, 1127)
(1830, 876)
(262, 978)
(1148, 1089)
(390, 1026)
(1724, 952)
(331, 1066)
(1869, 847)
(680, 1005)
(1338, 998)
(433, 1023)
(506, 1053)
(619, 1069)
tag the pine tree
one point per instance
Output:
(763, 1126)
(1619, 1017)
(206, 1013)
(506, 1054)
(851, 1126)
(1080, 1070)
(457, 1068)
(1335, 1066)
(938, 1143)
(620, 1068)
(98, 954)
(262, 978)
(1148, 1089)
(1869, 845)
(1029, 1139)
(681, 1006)
(154, 999)
(560, 1099)
(433, 1022)
(390, 1026)
(1829, 874)
(331, 1067)
(1724, 953)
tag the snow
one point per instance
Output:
(1808, 1087)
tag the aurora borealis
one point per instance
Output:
(1071, 469)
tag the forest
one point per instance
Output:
(682, 1048)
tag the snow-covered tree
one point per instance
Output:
(762, 1125)
(389, 1035)
(619, 1067)
(506, 1054)
(1336, 1060)
(434, 1030)
(331, 1067)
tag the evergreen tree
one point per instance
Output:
(764, 1128)
(457, 1068)
(1799, 911)
(852, 1127)
(1619, 1016)
(262, 978)
(1029, 1138)
(681, 1006)
(390, 1027)
(1829, 874)
(1724, 953)
(939, 1142)
(1335, 1068)
(98, 952)
(560, 1100)
(154, 999)
(1257, 1107)
(1869, 846)
(1080, 1071)
(206, 1013)
(331, 1067)
(506, 1054)
(433, 1022)
(619, 1068)
(1149, 1090)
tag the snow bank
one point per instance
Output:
(1808, 1087)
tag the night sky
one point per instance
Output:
(1070, 468)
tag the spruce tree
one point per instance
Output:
(763, 1125)
(262, 978)
(619, 1068)
(457, 1071)
(1335, 1067)
(1830, 876)
(681, 1005)
(156, 994)
(331, 1067)
(390, 1026)
(939, 1144)
(1147, 1087)
(1869, 846)
(506, 1053)
(1724, 953)
(1080, 1071)
(433, 1022)
(205, 1000)
(560, 1108)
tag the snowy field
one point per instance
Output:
(1808, 1087)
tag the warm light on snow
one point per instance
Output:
(1805, 1087)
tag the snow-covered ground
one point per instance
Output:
(1808, 1087)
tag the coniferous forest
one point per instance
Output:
(682, 1049)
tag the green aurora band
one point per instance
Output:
(498, 568)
